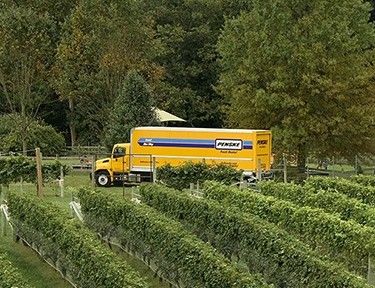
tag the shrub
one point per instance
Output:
(12, 169)
(180, 177)
(37, 134)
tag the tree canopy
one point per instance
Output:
(304, 70)
(38, 134)
(26, 56)
(133, 107)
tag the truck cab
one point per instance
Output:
(113, 169)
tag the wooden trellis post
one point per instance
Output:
(38, 159)
(370, 271)
(285, 169)
(259, 169)
(93, 160)
(61, 182)
(3, 224)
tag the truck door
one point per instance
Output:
(119, 160)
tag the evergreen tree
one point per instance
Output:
(133, 107)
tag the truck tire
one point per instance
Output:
(102, 179)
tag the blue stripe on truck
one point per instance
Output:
(190, 143)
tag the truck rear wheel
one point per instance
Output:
(102, 179)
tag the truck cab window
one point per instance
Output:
(119, 152)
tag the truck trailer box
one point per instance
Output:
(152, 147)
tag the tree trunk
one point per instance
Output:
(24, 129)
(24, 146)
(302, 157)
(72, 128)
(73, 134)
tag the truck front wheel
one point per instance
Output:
(102, 179)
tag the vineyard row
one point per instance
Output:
(330, 201)
(69, 245)
(345, 241)
(364, 193)
(182, 257)
(283, 260)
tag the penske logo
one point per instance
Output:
(228, 144)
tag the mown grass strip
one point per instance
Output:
(9, 275)
(33, 269)
(281, 258)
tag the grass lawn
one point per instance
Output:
(35, 270)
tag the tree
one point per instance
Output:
(101, 42)
(133, 107)
(26, 56)
(59, 9)
(50, 110)
(189, 30)
(306, 70)
(38, 134)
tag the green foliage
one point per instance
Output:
(188, 31)
(58, 9)
(282, 259)
(180, 177)
(366, 194)
(101, 42)
(295, 67)
(367, 180)
(346, 241)
(66, 240)
(9, 275)
(37, 134)
(180, 256)
(133, 107)
(328, 200)
(26, 54)
(13, 169)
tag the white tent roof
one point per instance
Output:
(164, 116)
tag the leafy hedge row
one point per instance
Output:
(70, 245)
(345, 241)
(180, 177)
(328, 200)
(367, 180)
(9, 275)
(364, 193)
(180, 256)
(14, 168)
(281, 258)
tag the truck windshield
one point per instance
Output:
(119, 152)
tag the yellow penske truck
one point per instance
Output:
(152, 147)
